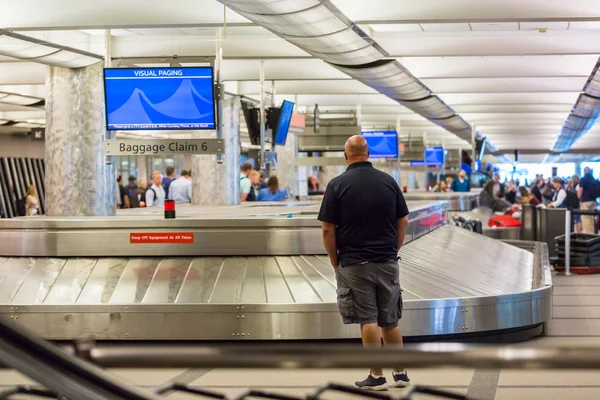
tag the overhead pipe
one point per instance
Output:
(322, 30)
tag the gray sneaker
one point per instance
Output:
(401, 380)
(372, 383)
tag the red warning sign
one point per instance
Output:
(162, 237)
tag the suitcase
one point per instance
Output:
(504, 221)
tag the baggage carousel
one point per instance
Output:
(253, 272)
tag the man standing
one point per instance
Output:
(167, 180)
(246, 189)
(123, 200)
(498, 188)
(155, 196)
(364, 219)
(132, 192)
(461, 184)
(587, 195)
(181, 189)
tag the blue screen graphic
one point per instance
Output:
(434, 156)
(285, 118)
(382, 144)
(159, 98)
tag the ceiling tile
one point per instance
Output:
(553, 26)
(396, 27)
(495, 26)
(443, 27)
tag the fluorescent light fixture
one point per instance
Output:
(27, 48)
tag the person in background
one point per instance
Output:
(180, 190)
(441, 187)
(536, 191)
(461, 184)
(498, 189)
(449, 181)
(511, 193)
(587, 199)
(560, 194)
(263, 180)
(313, 184)
(123, 198)
(245, 186)
(142, 189)
(132, 193)
(573, 183)
(528, 198)
(155, 196)
(271, 192)
(32, 204)
(168, 179)
(254, 178)
(364, 220)
(548, 191)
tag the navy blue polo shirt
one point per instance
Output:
(364, 204)
(587, 183)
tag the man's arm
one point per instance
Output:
(579, 191)
(330, 243)
(402, 225)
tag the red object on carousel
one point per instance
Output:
(504, 221)
(405, 189)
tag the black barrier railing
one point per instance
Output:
(568, 225)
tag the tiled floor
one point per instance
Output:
(576, 323)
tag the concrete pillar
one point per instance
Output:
(78, 180)
(213, 183)
(142, 167)
(285, 170)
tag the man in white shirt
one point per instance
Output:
(181, 189)
(155, 196)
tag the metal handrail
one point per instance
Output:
(306, 356)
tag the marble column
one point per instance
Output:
(213, 183)
(79, 182)
(285, 170)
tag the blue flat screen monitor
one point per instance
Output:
(283, 125)
(159, 98)
(382, 144)
(434, 156)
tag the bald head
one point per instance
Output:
(356, 149)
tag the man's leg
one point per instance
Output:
(392, 337)
(371, 338)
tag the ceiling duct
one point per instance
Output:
(319, 28)
(583, 116)
(21, 100)
(35, 50)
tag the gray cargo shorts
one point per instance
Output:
(370, 293)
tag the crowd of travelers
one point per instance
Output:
(143, 194)
(573, 193)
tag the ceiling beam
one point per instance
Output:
(471, 20)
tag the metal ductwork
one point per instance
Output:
(583, 116)
(35, 50)
(319, 28)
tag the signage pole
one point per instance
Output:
(220, 95)
(263, 135)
